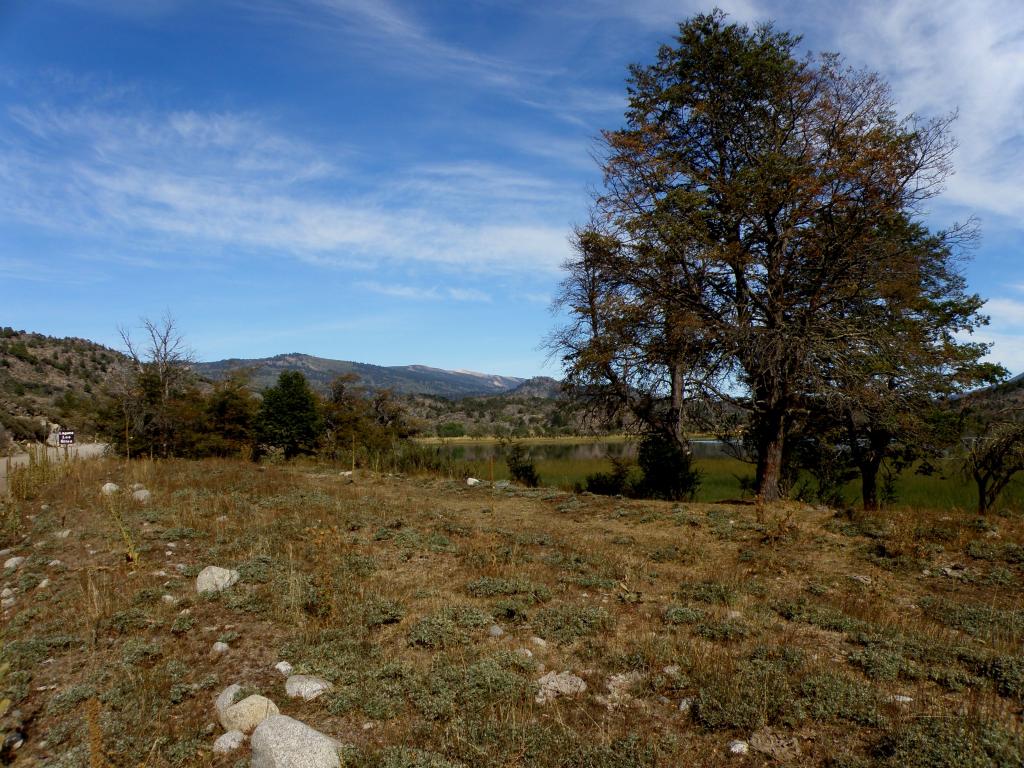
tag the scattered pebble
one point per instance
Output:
(43, 584)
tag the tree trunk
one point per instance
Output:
(982, 483)
(869, 485)
(676, 408)
(770, 457)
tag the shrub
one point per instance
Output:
(668, 471)
(567, 622)
(520, 466)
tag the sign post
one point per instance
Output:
(66, 437)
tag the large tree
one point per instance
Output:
(747, 219)
(289, 416)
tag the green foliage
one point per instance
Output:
(567, 622)
(489, 586)
(520, 466)
(668, 471)
(289, 416)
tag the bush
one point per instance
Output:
(611, 483)
(668, 469)
(520, 466)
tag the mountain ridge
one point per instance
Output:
(402, 379)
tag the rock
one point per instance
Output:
(502, 484)
(526, 653)
(618, 690)
(142, 496)
(215, 579)
(495, 631)
(7, 592)
(738, 747)
(219, 648)
(733, 615)
(137, 486)
(243, 715)
(865, 580)
(898, 698)
(556, 684)
(62, 534)
(784, 749)
(284, 668)
(283, 742)
(228, 742)
(306, 687)
(55, 563)
(109, 489)
(7, 603)
(472, 482)
(43, 584)
(539, 642)
(672, 670)
(13, 562)
(169, 599)
(686, 704)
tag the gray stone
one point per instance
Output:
(247, 713)
(539, 642)
(228, 742)
(109, 489)
(142, 496)
(219, 648)
(686, 704)
(215, 579)
(495, 631)
(43, 584)
(283, 742)
(7, 592)
(284, 668)
(137, 486)
(472, 481)
(556, 684)
(738, 747)
(55, 563)
(306, 687)
(13, 562)
(62, 534)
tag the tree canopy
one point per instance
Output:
(758, 240)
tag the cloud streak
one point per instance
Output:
(231, 181)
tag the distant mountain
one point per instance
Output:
(404, 379)
(539, 386)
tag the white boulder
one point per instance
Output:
(109, 489)
(284, 668)
(306, 687)
(283, 742)
(215, 579)
(556, 684)
(242, 715)
(472, 482)
(228, 742)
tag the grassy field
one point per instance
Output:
(946, 489)
(817, 638)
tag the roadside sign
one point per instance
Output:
(65, 437)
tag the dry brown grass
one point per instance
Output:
(750, 611)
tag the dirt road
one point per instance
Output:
(83, 451)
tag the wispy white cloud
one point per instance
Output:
(424, 293)
(233, 182)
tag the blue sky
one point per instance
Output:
(394, 182)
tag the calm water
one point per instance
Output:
(581, 451)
